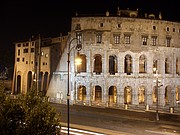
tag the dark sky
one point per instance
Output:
(20, 19)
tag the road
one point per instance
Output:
(118, 121)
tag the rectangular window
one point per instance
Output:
(26, 50)
(18, 59)
(18, 52)
(127, 39)
(99, 37)
(168, 41)
(32, 50)
(144, 40)
(22, 59)
(117, 39)
(19, 45)
(154, 39)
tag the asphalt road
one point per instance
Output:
(120, 121)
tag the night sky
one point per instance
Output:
(20, 19)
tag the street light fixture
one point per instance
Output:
(156, 89)
(78, 61)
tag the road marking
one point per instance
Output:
(75, 131)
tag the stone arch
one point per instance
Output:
(112, 94)
(142, 64)
(98, 64)
(141, 95)
(113, 64)
(29, 81)
(178, 94)
(81, 93)
(45, 83)
(128, 95)
(18, 90)
(167, 95)
(98, 93)
(128, 64)
(82, 66)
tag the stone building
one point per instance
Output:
(35, 61)
(118, 55)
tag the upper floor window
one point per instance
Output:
(167, 29)
(168, 41)
(32, 49)
(117, 39)
(174, 30)
(26, 50)
(154, 28)
(99, 37)
(144, 40)
(19, 45)
(154, 39)
(101, 25)
(127, 39)
(18, 52)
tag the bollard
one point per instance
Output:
(171, 110)
(125, 106)
(147, 107)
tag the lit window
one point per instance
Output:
(168, 41)
(99, 37)
(42, 53)
(154, 38)
(127, 39)
(116, 39)
(144, 40)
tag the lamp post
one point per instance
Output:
(157, 98)
(78, 47)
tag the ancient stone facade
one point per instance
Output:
(118, 56)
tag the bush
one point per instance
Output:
(30, 114)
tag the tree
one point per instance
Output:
(28, 114)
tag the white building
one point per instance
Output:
(35, 61)
(119, 53)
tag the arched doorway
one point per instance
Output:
(98, 94)
(81, 93)
(127, 95)
(112, 94)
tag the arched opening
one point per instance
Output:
(167, 95)
(98, 94)
(18, 85)
(128, 64)
(98, 64)
(29, 81)
(40, 81)
(82, 66)
(167, 66)
(177, 66)
(155, 65)
(112, 65)
(81, 93)
(112, 94)
(154, 94)
(142, 64)
(127, 95)
(45, 83)
(178, 94)
(141, 95)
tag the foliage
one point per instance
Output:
(28, 114)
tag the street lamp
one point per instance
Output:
(156, 89)
(78, 61)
